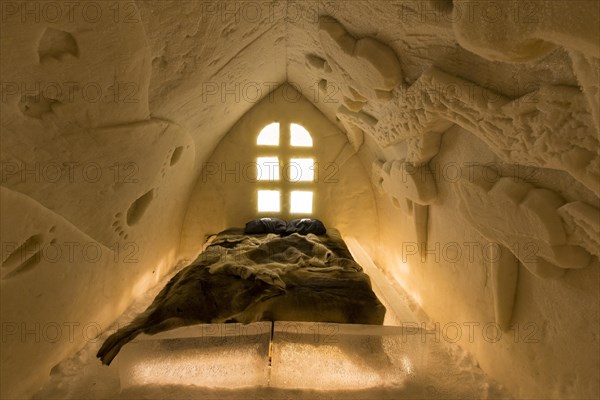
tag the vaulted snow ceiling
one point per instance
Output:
(204, 64)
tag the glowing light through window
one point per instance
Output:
(269, 135)
(267, 168)
(269, 201)
(275, 171)
(301, 202)
(301, 170)
(299, 137)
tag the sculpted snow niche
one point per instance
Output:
(77, 93)
(504, 268)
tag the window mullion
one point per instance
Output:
(303, 190)
(284, 151)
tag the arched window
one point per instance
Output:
(285, 169)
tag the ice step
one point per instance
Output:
(208, 355)
(283, 355)
(325, 357)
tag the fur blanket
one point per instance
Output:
(249, 278)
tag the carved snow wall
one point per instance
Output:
(93, 189)
(551, 131)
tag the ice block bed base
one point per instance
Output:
(313, 361)
(284, 355)
(299, 360)
(211, 355)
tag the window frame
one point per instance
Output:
(285, 152)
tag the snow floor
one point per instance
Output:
(450, 373)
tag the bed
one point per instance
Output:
(277, 274)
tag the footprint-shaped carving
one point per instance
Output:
(133, 215)
(119, 226)
(138, 208)
(176, 156)
(56, 44)
(23, 258)
(173, 157)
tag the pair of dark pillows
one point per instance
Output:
(301, 226)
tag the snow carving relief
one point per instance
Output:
(120, 181)
(504, 270)
(587, 70)
(106, 164)
(93, 189)
(553, 127)
(524, 31)
(527, 225)
(582, 224)
(78, 75)
(364, 72)
(522, 218)
(411, 188)
(56, 44)
(550, 128)
(35, 238)
(523, 224)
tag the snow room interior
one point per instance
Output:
(300, 199)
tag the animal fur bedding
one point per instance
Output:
(248, 278)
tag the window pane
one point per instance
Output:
(301, 169)
(267, 168)
(301, 202)
(299, 136)
(268, 200)
(269, 135)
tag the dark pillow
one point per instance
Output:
(265, 225)
(305, 226)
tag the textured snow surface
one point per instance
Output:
(110, 112)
